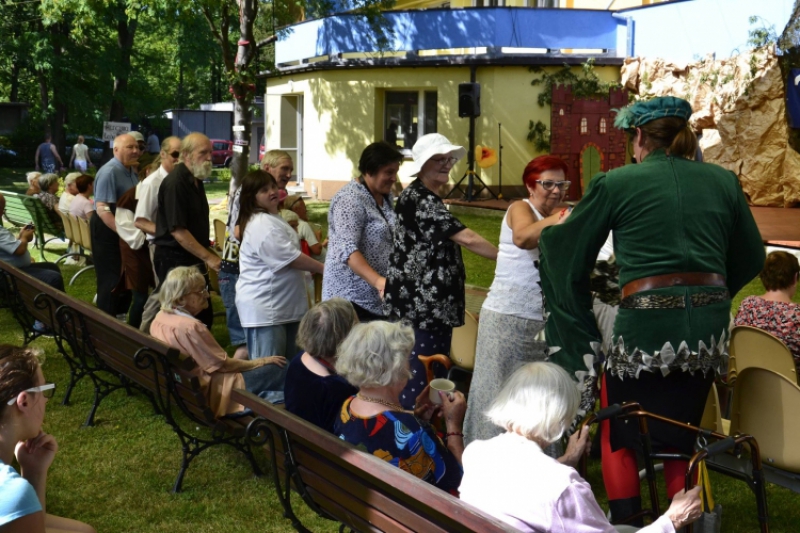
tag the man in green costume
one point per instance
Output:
(685, 242)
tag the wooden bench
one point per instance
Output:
(21, 209)
(341, 483)
(116, 356)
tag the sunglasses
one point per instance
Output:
(48, 390)
(174, 155)
(549, 184)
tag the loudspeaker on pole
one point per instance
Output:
(469, 99)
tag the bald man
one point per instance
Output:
(111, 182)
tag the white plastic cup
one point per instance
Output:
(443, 385)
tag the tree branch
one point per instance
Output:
(264, 42)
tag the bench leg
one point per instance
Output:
(79, 272)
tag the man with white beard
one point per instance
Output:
(182, 226)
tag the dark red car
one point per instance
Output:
(222, 154)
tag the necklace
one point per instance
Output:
(394, 406)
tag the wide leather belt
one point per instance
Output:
(691, 279)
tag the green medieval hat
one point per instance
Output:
(644, 111)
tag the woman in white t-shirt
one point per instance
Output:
(270, 293)
(80, 156)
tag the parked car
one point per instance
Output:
(96, 146)
(222, 154)
(8, 158)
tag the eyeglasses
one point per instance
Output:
(444, 161)
(202, 291)
(174, 155)
(549, 184)
(47, 390)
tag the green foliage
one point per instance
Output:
(584, 85)
(539, 135)
(762, 35)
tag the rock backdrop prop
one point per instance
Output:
(739, 107)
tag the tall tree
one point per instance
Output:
(243, 45)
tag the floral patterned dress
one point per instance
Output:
(425, 282)
(777, 318)
(402, 440)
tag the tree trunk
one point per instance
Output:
(244, 90)
(126, 31)
(15, 69)
(60, 32)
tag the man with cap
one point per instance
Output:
(111, 182)
(685, 243)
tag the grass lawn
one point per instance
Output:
(117, 475)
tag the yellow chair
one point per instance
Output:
(219, 234)
(766, 405)
(83, 237)
(712, 416)
(753, 347)
(462, 352)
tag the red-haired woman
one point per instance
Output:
(511, 317)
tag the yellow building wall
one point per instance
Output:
(344, 112)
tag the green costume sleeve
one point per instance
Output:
(568, 255)
(746, 254)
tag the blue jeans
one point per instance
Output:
(266, 341)
(227, 289)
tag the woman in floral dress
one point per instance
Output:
(425, 283)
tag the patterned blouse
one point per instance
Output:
(425, 284)
(357, 224)
(402, 440)
(777, 318)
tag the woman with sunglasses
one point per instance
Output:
(183, 295)
(425, 281)
(685, 242)
(23, 398)
(512, 315)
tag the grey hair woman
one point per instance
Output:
(374, 358)
(183, 295)
(511, 478)
(314, 391)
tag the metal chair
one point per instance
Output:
(719, 445)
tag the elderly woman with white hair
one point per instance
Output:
(48, 185)
(425, 281)
(313, 390)
(33, 183)
(183, 295)
(511, 478)
(374, 358)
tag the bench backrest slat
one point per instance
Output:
(366, 486)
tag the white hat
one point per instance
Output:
(430, 145)
(137, 135)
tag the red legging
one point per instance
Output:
(620, 471)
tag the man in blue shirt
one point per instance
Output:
(112, 181)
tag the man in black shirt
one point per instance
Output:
(182, 226)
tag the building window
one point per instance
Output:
(409, 114)
(602, 125)
(488, 3)
(561, 112)
(584, 127)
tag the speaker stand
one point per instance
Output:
(470, 175)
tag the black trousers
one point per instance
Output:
(107, 266)
(48, 273)
(166, 258)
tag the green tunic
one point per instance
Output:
(669, 215)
